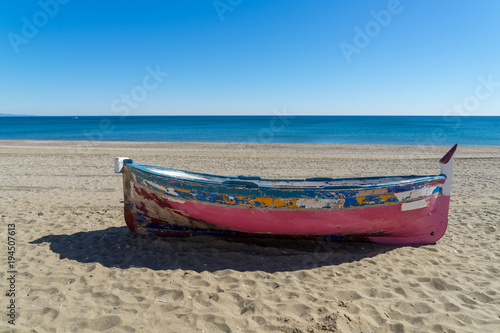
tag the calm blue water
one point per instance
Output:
(260, 129)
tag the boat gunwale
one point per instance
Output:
(408, 180)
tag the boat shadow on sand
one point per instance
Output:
(117, 247)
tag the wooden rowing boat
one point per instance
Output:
(397, 210)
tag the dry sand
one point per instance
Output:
(79, 269)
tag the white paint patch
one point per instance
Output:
(172, 191)
(177, 200)
(414, 205)
(178, 174)
(318, 203)
(119, 164)
(447, 170)
(414, 194)
(154, 185)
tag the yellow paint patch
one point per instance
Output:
(277, 203)
(361, 200)
(381, 199)
(229, 201)
(232, 200)
(386, 197)
(264, 202)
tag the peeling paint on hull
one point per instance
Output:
(378, 224)
(397, 210)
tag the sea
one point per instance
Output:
(394, 130)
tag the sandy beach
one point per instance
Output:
(79, 269)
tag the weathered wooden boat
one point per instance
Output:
(397, 210)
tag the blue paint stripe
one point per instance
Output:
(250, 195)
(274, 192)
(411, 179)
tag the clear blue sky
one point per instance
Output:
(325, 57)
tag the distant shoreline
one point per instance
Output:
(229, 146)
(279, 128)
(82, 144)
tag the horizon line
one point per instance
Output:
(246, 115)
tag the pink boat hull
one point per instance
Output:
(380, 224)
